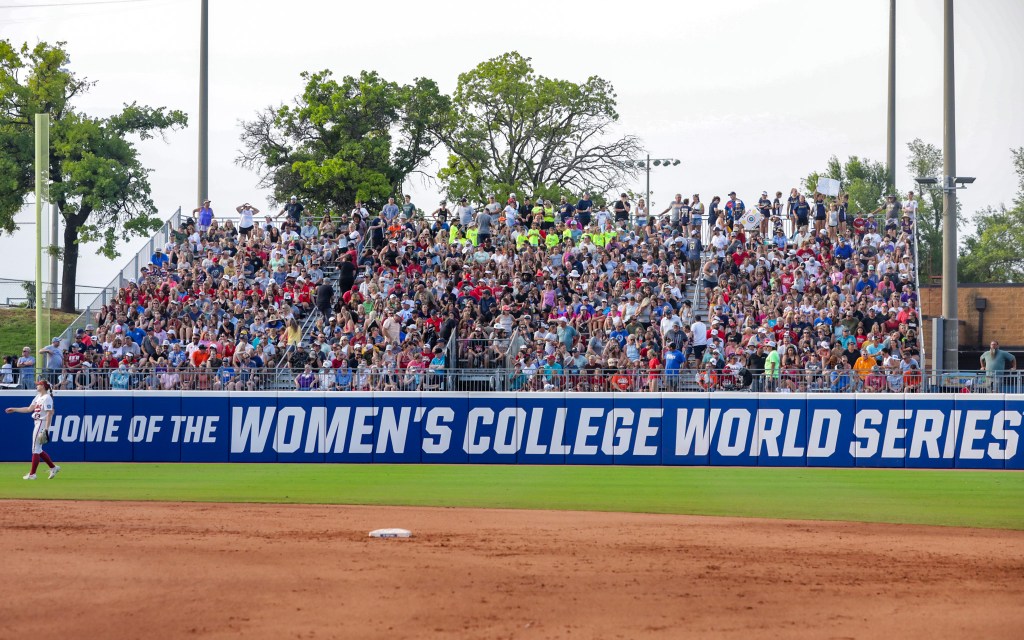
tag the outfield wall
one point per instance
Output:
(720, 429)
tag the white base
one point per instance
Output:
(391, 533)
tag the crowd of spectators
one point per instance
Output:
(799, 294)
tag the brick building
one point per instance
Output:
(1001, 319)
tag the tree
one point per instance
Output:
(864, 180)
(511, 130)
(357, 139)
(992, 252)
(925, 161)
(98, 183)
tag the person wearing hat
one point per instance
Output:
(772, 367)
(293, 210)
(159, 259)
(204, 214)
(41, 409)
(464, 212)
(734, 210)
(53, 361)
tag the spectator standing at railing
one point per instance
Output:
(293, 210)
(246, 219)
(53, 360)
(996, 362)
(204, 215)
(26, 369)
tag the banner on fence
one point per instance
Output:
(750, 429)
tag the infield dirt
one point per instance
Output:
(168, 570)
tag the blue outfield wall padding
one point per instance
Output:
(67, 442)
(444, 427)
(588, 428)
(830, 419)
(543, 419)
(203, 430)
(350, 431)
(492, 434)
(1008, 430)
(638, 431)
(301, 422)
(686, 435)
(733, 419)
(880, 431)
(253, 420)
(105, 422)
(978, 448)
(398, 426)
(835, 430)
(155, 428)
(782, 431)
(930, 427)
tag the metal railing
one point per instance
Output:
(526, 378)
(14, 294)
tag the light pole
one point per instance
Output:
(890, 128)
(646, 165)
(204, 102)
(946, 355)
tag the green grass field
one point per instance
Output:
(952, 498)
(18, 328)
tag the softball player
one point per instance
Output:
(42, 414)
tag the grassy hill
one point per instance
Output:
(18, 328)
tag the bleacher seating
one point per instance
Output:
(520, 296)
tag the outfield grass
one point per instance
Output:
(953, 498)
(18, 328)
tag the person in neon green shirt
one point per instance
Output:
(549, 215)
(472, 234)
(454, 233)
(521, 240)
(552, 239)
(772, 368)
(533, 235)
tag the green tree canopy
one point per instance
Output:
(925, 161)
(512, 130)
(97, 181)
(864, 180)
(992, 253)
(357, 139)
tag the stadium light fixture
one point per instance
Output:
(657, 162)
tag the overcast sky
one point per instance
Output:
(749, 94)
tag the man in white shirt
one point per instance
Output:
(910, 206)
(511, 213)
(719, 242)
(360, 210)
(669, 321)
(700, 338)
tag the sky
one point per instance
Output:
(750, 95)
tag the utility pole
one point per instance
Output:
(204, 102)
(890, 130)
(647, 200)
(951, 326)
(54, 244)
(42, 131)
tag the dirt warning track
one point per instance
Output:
(168, 570)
